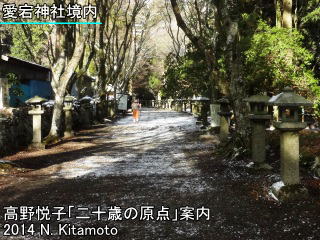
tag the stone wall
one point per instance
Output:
(16, 128)
(16, 124)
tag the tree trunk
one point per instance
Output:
(277, 4)
(60, 83)
(287, 23)
(237, 88)
(287, 14)
(57, 114)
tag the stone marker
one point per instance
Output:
(225, 118)
(36, 113)
(191, 106)
(173, 105)
(68, 116)
(289, 125)
(85, 111)
(184, 105)
(204, 108)
(3, 130)
(201, 108)
(179, 105)
(215, 117)
(4, 93)
(259, 117)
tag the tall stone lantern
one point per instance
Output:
(68, 100)
(202, 107)
(289, 124)
(36, 112)
(225, 115)
(259, 116)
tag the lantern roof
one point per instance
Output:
(36, 100)
(85, 99)
(257, 99)
(68, 98)
(223, 100)
(200, 98)
(290, 99)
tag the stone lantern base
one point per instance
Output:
(36, 127)
(224, 125)
(287, 193)
(68, 134)
(215, 118)
(256, 166)
(36, 146)
(68, 122)
(258, 141)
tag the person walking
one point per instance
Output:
(135, 106)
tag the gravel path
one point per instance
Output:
(153, 179)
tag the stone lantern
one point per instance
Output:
(202, 107)
(215, 117)
(289, 124)
(184, 102)
(173, 105)
(179, 105)
(36, 112)
(85, 111)
(225, 115)
(195, 107)
(191, 106)
(259, 116)
(68, 100)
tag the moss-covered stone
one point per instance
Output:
(293, 193)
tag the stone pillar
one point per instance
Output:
(173, 105)
(215, 118)
(36, 113)
(3, 135)
(258, 145)
(68, 122)
(203, 116)
(195, 109)
(225, 115)
(224, 128)
(179, 106)
(4, 93)
(85, 112)
(111, 111)
(289, 145)
(185, 106)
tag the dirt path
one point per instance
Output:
(159, 162)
